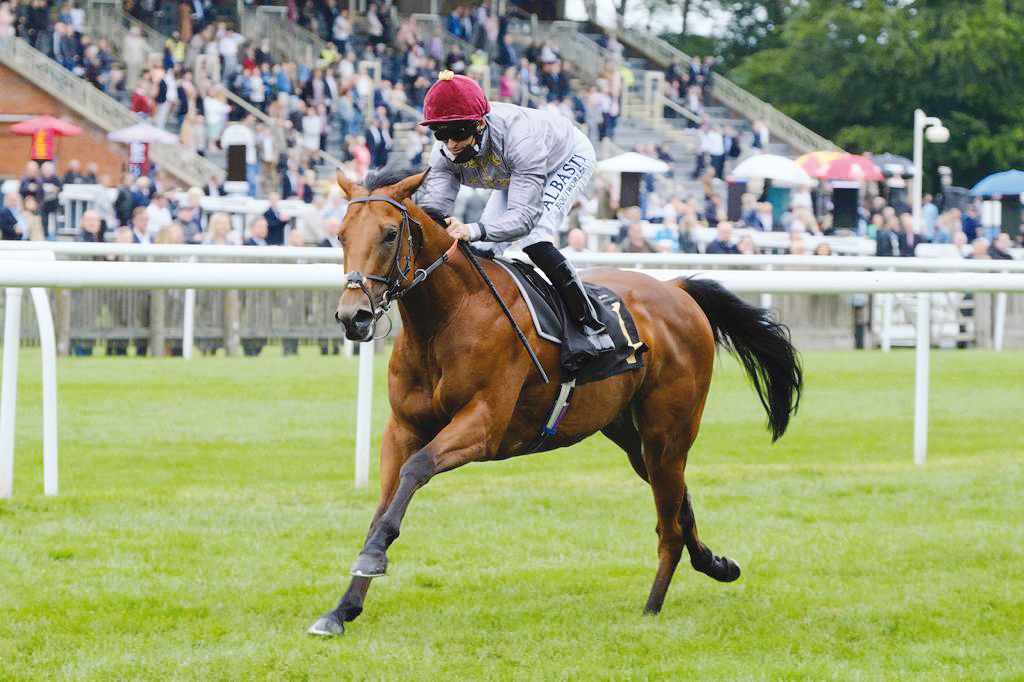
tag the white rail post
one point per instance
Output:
(924, 344)
(999, 324)
(48, 346)
(766, 297)
(364, 414)
(9, 388)
(188, 322)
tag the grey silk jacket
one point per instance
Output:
(521, 148)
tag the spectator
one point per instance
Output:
(332, 227)
(141, 103)
(1000, 249)
(823, 249)
(190, 230)
(50, 203)
(90, 229)
(12, 226)
(929, 216)
(257, 233)
(159, 213)
(133, 52)
(577, 242)
(971, 223)
(73, 175)
(707, 79)
(723, 240)
(908, 239)
(219, 232)
(276, 220)
(295, 238)
(166, 97)
(666, 239)
(762, 136)
(746, 246)
(635, 242)
(686, 225)
(960, 242)
(140, 226)
(887, 241)
(170, 234)
(763, 218)
(716, 150)
(979, 249)
(378, 140)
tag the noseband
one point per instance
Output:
(399, 271)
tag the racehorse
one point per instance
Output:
(464, 389)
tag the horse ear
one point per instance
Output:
(347, 185)
(406, 188)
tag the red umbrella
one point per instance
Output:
(34, 125)
(43, 129)
(849, 167)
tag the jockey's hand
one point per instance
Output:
(457, 229)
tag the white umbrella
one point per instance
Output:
(781, 171)
(142, 132)
(631, 162)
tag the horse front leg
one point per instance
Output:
(397, 444)
(463, 440)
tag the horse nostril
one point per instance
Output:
(362, 316)
(337, 316)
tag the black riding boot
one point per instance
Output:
(570, 287)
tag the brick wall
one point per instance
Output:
(23, 97)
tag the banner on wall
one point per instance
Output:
(42, 145)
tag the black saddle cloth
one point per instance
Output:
(551, 323)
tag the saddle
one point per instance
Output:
(552, 323)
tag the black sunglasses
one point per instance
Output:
(455, 131)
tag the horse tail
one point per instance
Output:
(759, 342)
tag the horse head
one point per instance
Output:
(380, 242)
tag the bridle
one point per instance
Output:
(400, 270)
(399, 273)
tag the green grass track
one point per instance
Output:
(207, 516)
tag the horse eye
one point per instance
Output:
(390, 235)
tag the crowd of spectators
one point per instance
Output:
(330, 103)
(670, 224)
(141, 211)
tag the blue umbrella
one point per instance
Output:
(1006, 183)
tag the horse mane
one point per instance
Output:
(388, 175)
(393, 173)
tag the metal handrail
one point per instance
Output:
(587, 57)
(733, 96)
(101, 109)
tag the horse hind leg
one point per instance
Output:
(623, 433)
(665, 472)
(721, 568)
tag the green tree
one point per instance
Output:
(856, 70)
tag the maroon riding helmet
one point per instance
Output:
(453, 109)
(453, 99)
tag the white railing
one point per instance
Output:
(91, 274)
(9, 379)
(99, 108)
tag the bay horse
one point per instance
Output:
(463, 388)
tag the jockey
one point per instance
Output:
(536, 163)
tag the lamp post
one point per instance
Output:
(932, 128)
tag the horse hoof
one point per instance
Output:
(327, 626)
(370, 565)
(729, 572)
